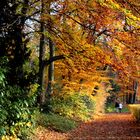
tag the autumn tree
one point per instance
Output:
(13, 41)
(90, 35)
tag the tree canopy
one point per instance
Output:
(54, 46)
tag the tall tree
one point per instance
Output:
(13, 40)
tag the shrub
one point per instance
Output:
(111, 108)
(72, 105)
(15, 112)
(55, 122)
(135, 110)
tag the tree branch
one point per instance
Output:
(55, 58)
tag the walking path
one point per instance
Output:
(111, 126)
(108, 127)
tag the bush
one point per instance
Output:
(15, 108)
(72, 105)
(15, 112)
(135, 110)
(109, 108)
(55, 122)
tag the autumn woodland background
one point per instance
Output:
(64, 61)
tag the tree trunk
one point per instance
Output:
(51, 69)
(20, 51)
(135, 91)
(130, 98)
(41, 58)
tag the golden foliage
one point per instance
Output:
(92, 35)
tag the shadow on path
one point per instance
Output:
(108, 127)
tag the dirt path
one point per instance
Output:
(106, 127)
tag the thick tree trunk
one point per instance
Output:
(20, 51)
(51, 69)
(41, 56)
(41, 97)
(18, 61)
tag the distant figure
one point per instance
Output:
(117, 106)
(120, 107)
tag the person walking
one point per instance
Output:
(117, 106)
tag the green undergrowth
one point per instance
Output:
(56, 122)
(110, 108)
(79, 107)
(63, 112)
(16, 107)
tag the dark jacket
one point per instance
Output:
(116, 104)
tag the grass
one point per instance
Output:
(56, 122)
(110, 108)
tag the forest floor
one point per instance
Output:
(111, 126)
